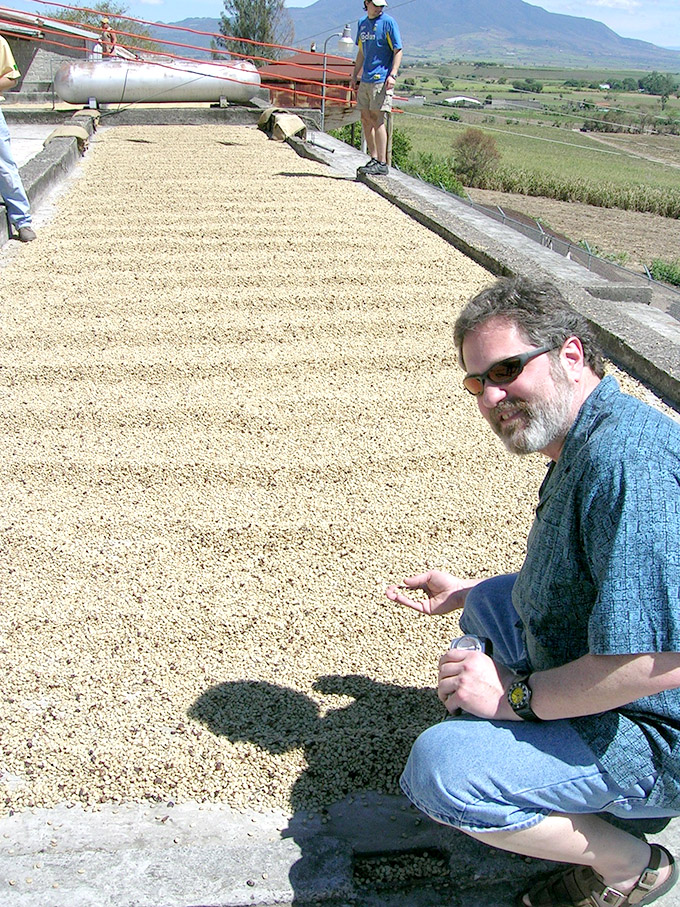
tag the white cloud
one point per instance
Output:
(628, 6)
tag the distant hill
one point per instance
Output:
(161, 34)
(505, 31)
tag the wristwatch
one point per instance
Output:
(519, 697)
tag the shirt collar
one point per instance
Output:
(596, 407)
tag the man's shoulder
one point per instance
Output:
(629, 432)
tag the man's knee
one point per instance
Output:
(373, 118)
(432, 763)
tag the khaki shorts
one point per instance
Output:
(374, 96)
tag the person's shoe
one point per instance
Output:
(26, 234)
(377, 169)
(366, 166)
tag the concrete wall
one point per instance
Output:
(39, 62)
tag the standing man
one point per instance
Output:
(11, 187)
(572, 712)
(107, 39)
(375, 72)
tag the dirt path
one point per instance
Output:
(627, 145)
(642, 237)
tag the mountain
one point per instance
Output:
(505, 31)
(160, 33)
(501, 30)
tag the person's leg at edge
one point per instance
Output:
(367, 126)
(380, 133)
(11, 188)
(620, 858)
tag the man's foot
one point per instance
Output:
(376, 168)
(366, 166)
(580, 885)
(26, 234)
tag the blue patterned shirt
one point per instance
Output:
(602, 573)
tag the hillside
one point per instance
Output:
(161, 34)
(508, 31)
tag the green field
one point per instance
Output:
(545, 149)
(539, 132)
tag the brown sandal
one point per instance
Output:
(580, 886)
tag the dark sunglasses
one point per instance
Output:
(503, 372)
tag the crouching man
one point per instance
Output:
(573, 709)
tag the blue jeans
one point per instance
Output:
(11, 188)
(484, 776)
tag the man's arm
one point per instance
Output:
(599, 683)
(358, 66)
(396, 63)
(6, 82)
(587, 686)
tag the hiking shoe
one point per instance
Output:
(366, 166)
(26, 234)
(375, 168)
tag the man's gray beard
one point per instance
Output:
(547, 420)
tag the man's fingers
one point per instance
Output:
(417, 582)
(393, 593)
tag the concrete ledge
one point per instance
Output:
(369, 849)
(174, 856)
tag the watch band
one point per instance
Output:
(519, 696)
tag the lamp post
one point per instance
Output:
(346, 40)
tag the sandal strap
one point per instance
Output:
(648, 879)
(578, 886)
(611, 897)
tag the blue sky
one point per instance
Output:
(657, 21)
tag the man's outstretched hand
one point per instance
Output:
(444, 592)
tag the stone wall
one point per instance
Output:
(38, 62)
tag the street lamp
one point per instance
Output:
(346, 40)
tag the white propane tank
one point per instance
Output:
(125, 81)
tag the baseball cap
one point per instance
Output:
(379, 2)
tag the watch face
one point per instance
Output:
(519, 694)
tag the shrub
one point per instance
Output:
(475, 153)
(438, 171)
(530, 85)
(667, 271)
(401, 148)
(401, 142)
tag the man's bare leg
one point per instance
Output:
(620, 858)
(375, 133)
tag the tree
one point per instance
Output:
(136, 35)
(530, 85)
(659, 83)
(474, 154)
(265, 21)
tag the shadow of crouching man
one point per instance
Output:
(346, 803)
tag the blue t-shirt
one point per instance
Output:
(378, 39)
(602, 573)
